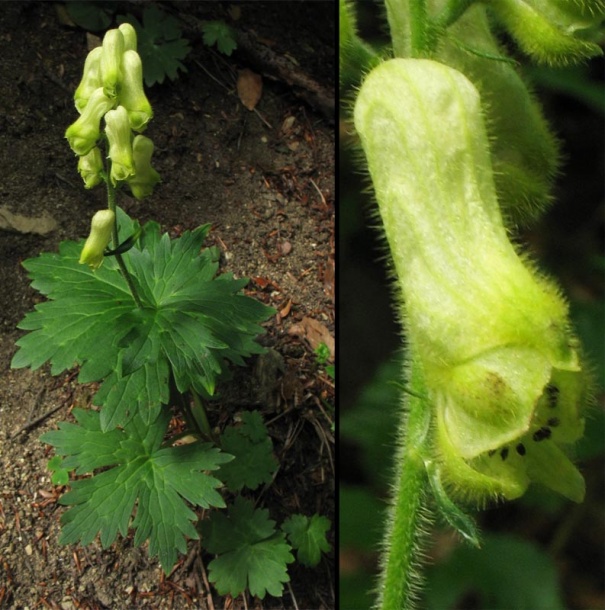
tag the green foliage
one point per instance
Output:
(322, 354)
(158, 479)
(190, 324)
(506, 573)
(91, 16)
(60, 475)
(160, 44)
(220, 34)
(250, 551)
(308, 537)
(253, 450)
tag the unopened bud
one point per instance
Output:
(84, 133)
(91, 79)
(90, 167)
(118, 133)
(111, 60)
(145, 177)
(100, 234)
(132, 95)
(130, 36)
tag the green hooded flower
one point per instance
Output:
(100, 234)
(117, 129)
(84, 133)
(90, 167)
(132, 95)
(490, 334)
(145, 177)
(91, 79)
(111, 62)
(130, 36)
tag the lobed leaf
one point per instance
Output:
(191, 322)
(158, 480)
(308, 537)
(251, 553)
(254, 462)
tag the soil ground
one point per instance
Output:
(265, 181)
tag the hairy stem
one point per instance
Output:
(111, 204)
(400, 576)
(409, 27)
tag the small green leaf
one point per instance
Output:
(60, 475)
(158, 479)
(254, 462)
(219, 33)
(160, 44)
(91, 16)
(251, 553)
(308, 537)
(461, 522)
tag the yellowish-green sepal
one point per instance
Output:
(100, 233)
(490, 334)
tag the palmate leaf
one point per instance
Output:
(158, 480)
(251, 553)
(254, 461)
(160, 44)
(308, 537)
(191, 322)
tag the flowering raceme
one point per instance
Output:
(112, 88)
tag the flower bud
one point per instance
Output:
(100, 233)
(90, 167)
(145, 177)
(525, 154)
(84, 133)
(91, 79)
(132, 95)
(130, 36)
(553, 31)
(111, 61)
(490, 334)
(118, 134)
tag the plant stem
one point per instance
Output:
(199, 413)
(409, 27)
(400, 578)
(111, 204)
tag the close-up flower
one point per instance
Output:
(145, 177)
(117, 129)
(489, 332)
(101, 227)
(83, 134)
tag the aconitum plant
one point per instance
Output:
(149, 319)
(459, 155)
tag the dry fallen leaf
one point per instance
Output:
(249, 88)
(314, 333)
(26, 224)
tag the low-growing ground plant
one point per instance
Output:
(152, 322)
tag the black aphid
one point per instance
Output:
(552, 391)
(553, 422)
(504, 453)
(542, 434)
(520, 449)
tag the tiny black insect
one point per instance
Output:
(520, 449)
(491, 452)
(504, 453)
(552, 391)
(541, 434)
(553, 422)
